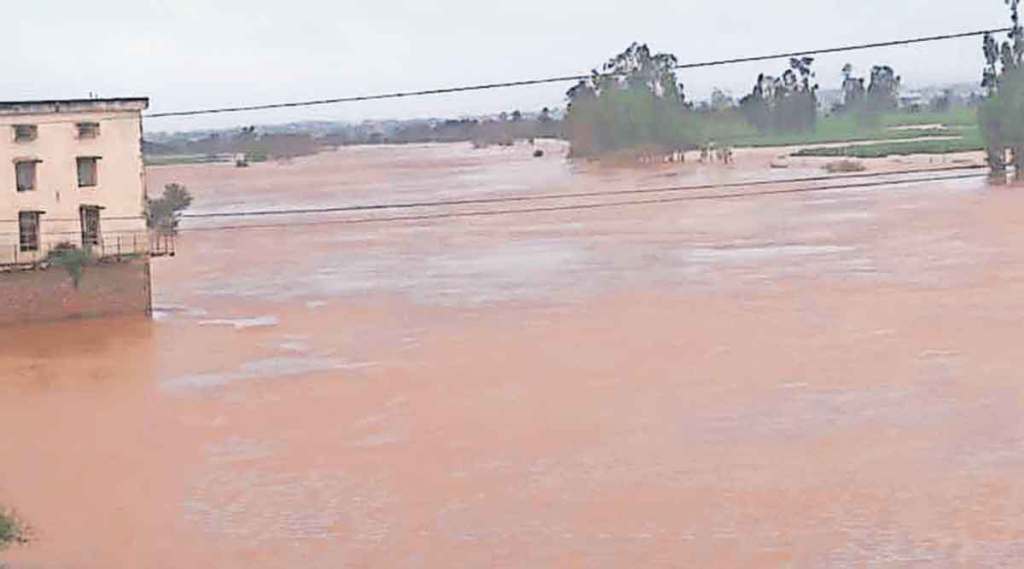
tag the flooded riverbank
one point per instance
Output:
(812, 379)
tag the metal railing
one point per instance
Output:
(109, 246)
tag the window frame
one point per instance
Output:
(34, 243)
(95, 160)
(31, 128)
(88, 239)
(84, 128)
(35, 174)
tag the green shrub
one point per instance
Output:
(969, 143)
(164, 213)
(629, 118)
(12, 530)
(71, 259)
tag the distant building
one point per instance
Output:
(71, 176)
(913, 101)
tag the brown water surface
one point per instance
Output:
(810, 379)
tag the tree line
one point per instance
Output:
(636, 101)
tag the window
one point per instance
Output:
(87, 172)
(90, 216)
(28, 230)
(88, 130)
(25, 172)
(25, 132)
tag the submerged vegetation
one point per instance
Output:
(12, 530)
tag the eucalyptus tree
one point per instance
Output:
(1002, 114)
(634, 100)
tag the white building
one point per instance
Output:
(71, 174)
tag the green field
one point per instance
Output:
(961, 130)
(730, 128)
(882, 150)
(168, 160)
(955, 117)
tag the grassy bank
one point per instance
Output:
(191, 159)
(967, 140)
(897, 149)
(730, 128)
(174, 160)
(952, 118)
(959, 127)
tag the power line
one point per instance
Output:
(854, 47)
(577, 207)
(568, 195)
(566, 78)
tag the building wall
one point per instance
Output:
(105, 289)
(121, 188)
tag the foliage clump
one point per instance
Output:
(634, 103)
(71, 259)
(12, 530)
(1001, 115)
(164, 213)
(788, 103)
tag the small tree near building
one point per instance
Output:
(164, 213)
(71, 259)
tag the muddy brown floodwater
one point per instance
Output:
(809, 379)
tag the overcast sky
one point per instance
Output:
(185, 54)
